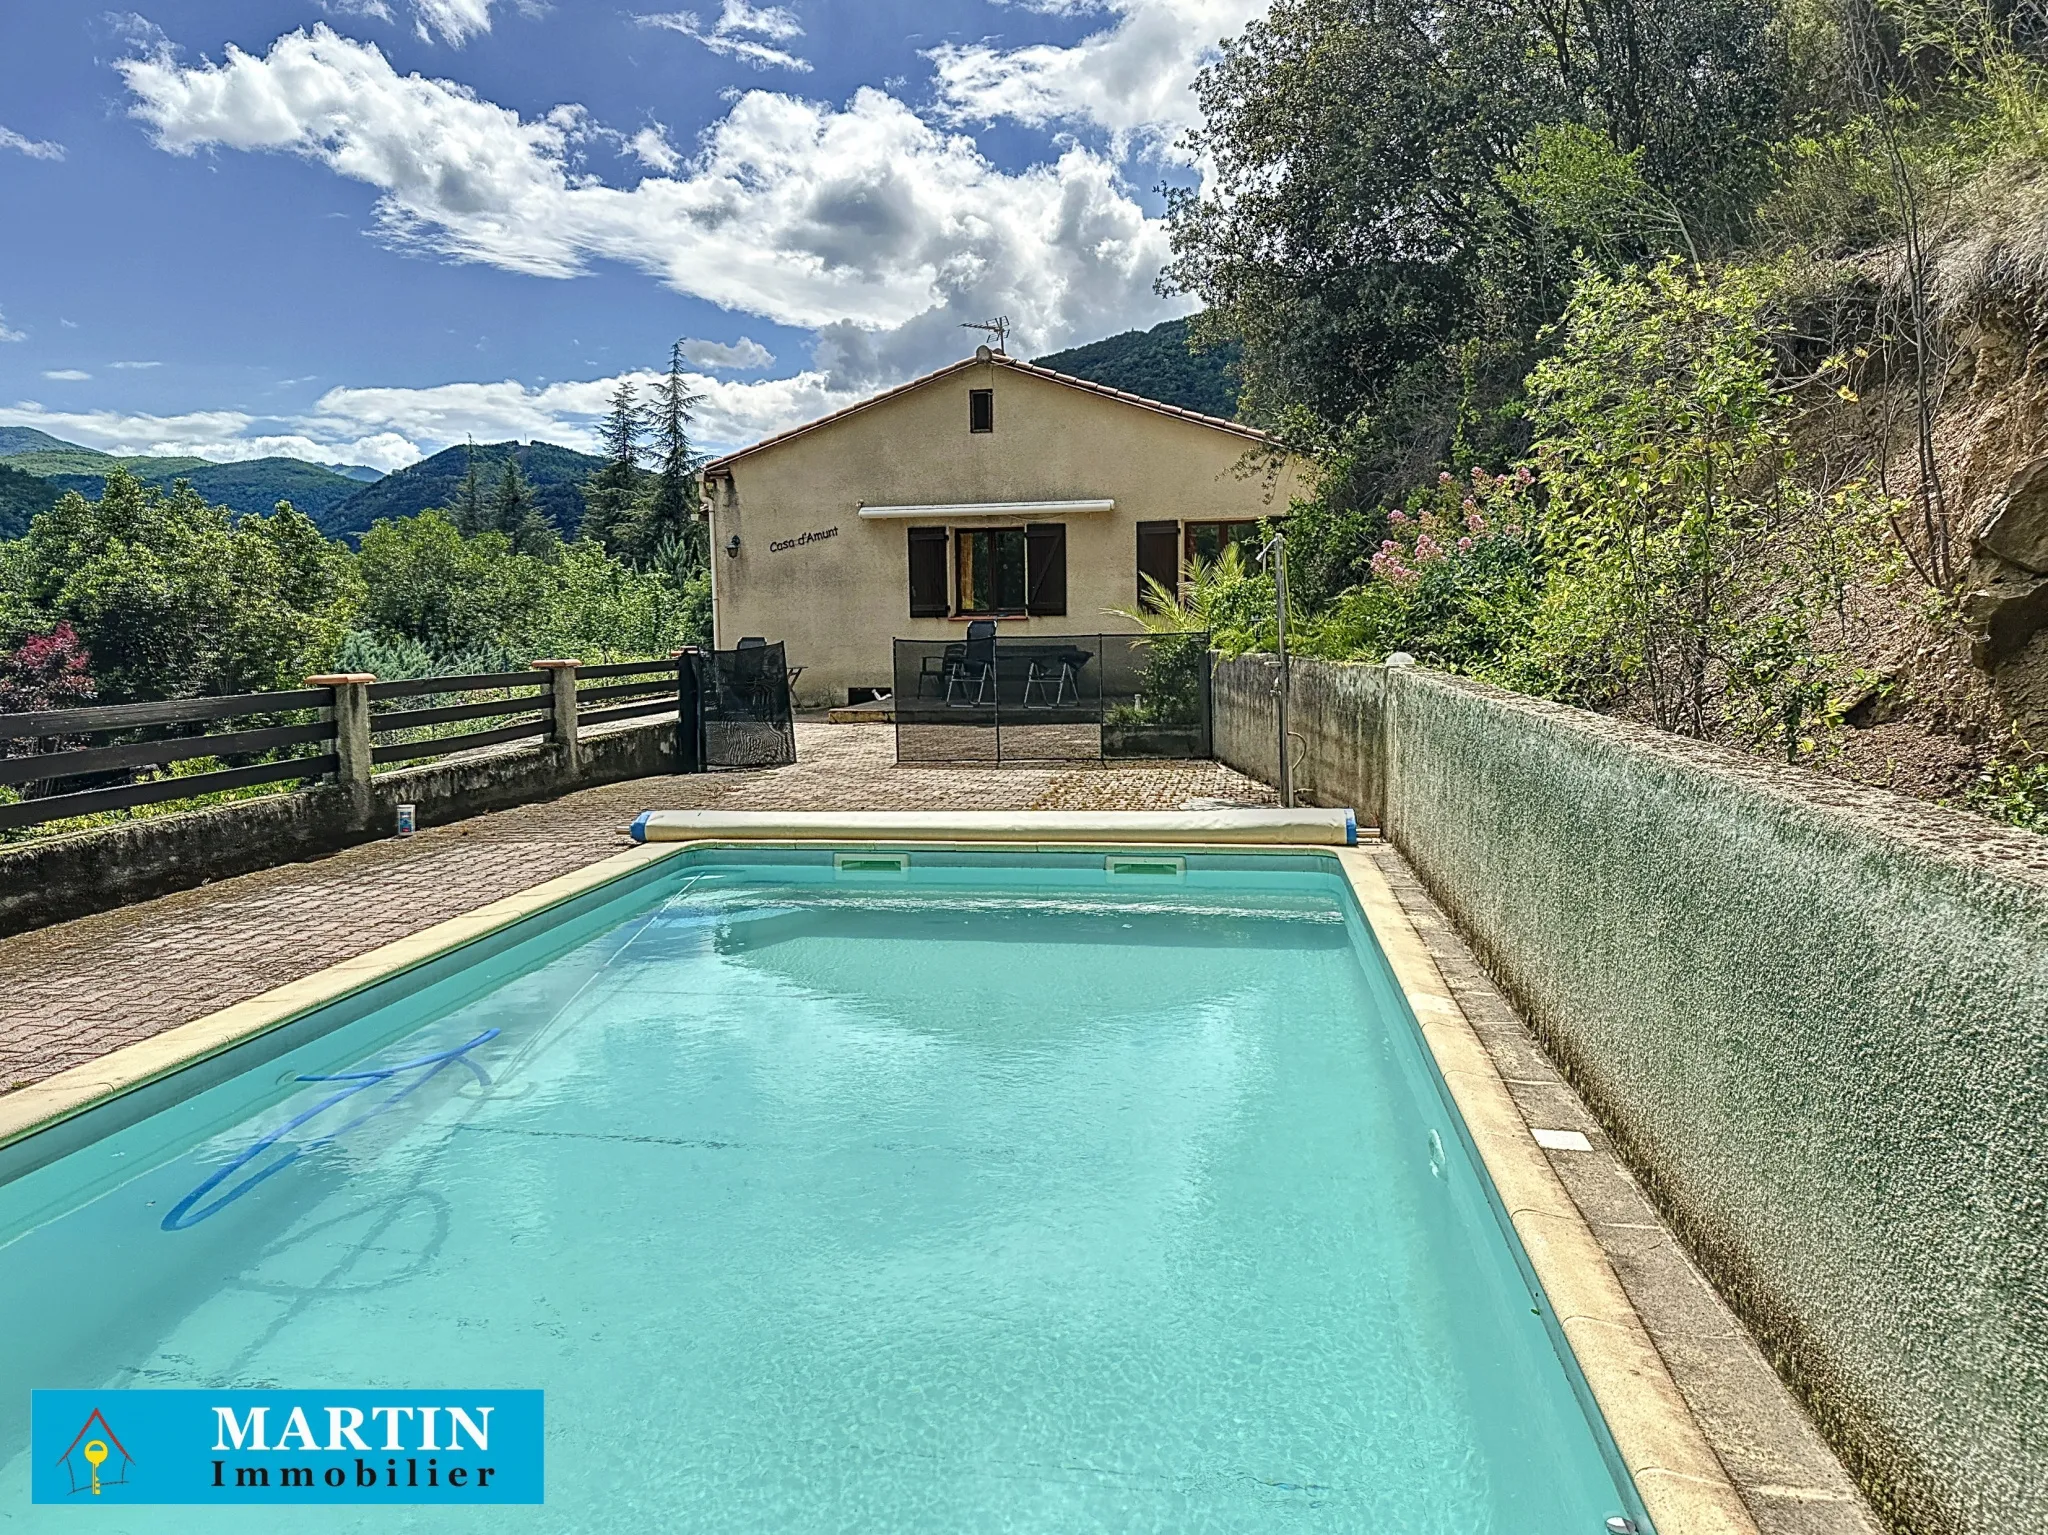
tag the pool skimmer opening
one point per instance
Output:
(1149, 866)
(886, 865)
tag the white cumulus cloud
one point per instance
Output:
(10, 335)
(744, 355)
(1134, 78)
(388, 428)
(453, 21)
(863, 222)
(738, 33)
(650, 146)
(35, 149)
(67, 375)
(730, 413)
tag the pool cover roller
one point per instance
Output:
(1315, 828)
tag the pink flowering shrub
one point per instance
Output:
(1453, 577)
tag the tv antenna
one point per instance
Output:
(999, 328)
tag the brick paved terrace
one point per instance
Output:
(75, 991)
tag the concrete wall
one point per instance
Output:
(837, 601)
(64, 877)
(1813, 1015)
(1334, 722)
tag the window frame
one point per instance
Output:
(981, 411)
(963, 540)
(1188, 530)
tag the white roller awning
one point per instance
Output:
(991, 509)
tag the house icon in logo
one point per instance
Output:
(96, 1458)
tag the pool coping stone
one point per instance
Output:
(1684, 1487)
(42, 1105)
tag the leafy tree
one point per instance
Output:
(431, 588)
(427, 583)
(1688, 567)
(1399, 189)
(611, 493)
(173, 597)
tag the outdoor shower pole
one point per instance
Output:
(1278, 549)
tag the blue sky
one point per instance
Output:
(360, 230)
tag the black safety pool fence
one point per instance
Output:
(736, 710)
(991, 697)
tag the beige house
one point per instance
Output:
(991, 488)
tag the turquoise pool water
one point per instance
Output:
(1002, 1195)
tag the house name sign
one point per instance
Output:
(784, 545)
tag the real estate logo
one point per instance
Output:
(227, 1447)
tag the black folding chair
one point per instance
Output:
(936, 669)
(976, 667)
(748, 677)
(1061, 673)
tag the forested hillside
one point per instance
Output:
(21, 497)
(249, 487)
(555, 476)
(1159, 365)
(1676, 358)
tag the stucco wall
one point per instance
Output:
(64, 877)
(838, 601)
(1814, 1016)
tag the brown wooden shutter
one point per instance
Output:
(1045, 565)
(1159, 558)
(928, 573)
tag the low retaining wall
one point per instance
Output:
(65, 877)
(1814, 1017)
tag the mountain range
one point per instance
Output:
(343, 499)
(253, 485)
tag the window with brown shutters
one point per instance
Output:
(928, 573)
(1045, 566)
(1158, 560)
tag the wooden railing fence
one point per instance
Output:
(65, 763)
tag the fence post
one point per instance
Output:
(564, 733)
(351, 712)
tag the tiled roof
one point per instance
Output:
(723, 465)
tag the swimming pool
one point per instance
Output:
(951, 1191)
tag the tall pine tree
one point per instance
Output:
(671, 512)
(610, 492)
(470, 515)
(515, 514)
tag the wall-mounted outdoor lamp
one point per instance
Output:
(732, 547)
